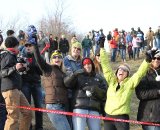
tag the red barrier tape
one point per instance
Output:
(84, 115)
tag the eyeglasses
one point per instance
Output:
(79, 49)
(154, 58)
(59, 57)
(28, 45)
(98, 55)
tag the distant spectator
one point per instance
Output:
(150, 38)
(1, 37)
(43, 44)
(53, 44)
(86, 46)
(157, 34)
(64, 46)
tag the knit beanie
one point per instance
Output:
(11, 42)
(124, 67)
(56, 53)
(77, 45)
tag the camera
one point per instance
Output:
(32, 34)
(23, 70)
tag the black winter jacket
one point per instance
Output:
(147, 93)
(34, 72)
(64, 45)
(11, 79)
(79, 84)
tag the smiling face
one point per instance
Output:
(56, 60)
(88, 68)
(122, 72)
(155, 62)
(76, 51)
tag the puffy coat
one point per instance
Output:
(93, 83)
(147, 93)
(52, 81)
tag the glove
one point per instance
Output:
(150, 54)
(77, 72)
(88, 93)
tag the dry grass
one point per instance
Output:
(134, 103)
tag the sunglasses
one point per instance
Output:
(59, 57)
(154, 58)
(79, 49)
(28, 45)
(98, 55)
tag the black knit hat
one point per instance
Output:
(11, 42)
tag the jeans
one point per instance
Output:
(34, 90)
(158, 43)
(79, 123)
(113, 54)
(97, 48)
(59, 121)
(3, 114)
(123, 53)
(145, 127)
(86, 52)
(135, 51)
(14, 120)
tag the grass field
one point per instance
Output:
(134, 103)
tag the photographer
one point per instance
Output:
(11, 88)
(31, 83)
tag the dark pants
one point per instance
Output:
(35, 90)
(112, 125)
(3, 114)
(69, 108)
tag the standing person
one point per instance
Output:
(114, 46)
(136, 47)
(1, 37)
(53, 44)
(157, 35)
(74, 39)
(148, 92)
(55, 90)
(150, 38)
(11, 88)
(120, 89)
(88, 94)
(3, 112)
(72, 63)
(86, 46)
(140, 36)
(109, 38)
(122, 47)
(31, 84)
(44, 45)
(64, 46)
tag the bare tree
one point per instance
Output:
(55, 21)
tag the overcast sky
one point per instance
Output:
(90, 14)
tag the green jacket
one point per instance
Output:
(118, 102)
